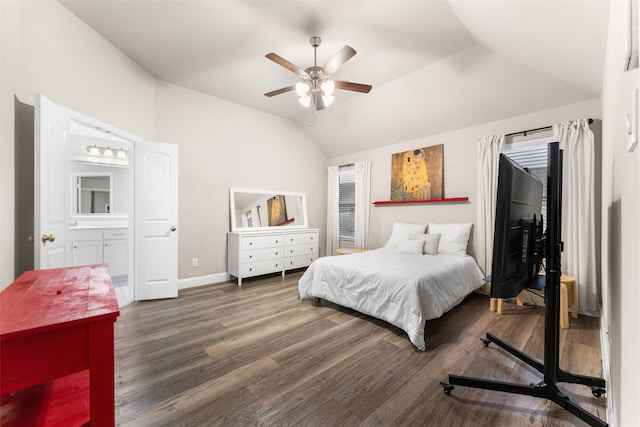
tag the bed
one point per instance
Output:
(400, 285)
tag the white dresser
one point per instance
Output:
(253, 253)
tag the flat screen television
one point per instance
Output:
(518, 241)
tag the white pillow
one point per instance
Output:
(411, 247)
(403, 231)
(453, 237)
(430, 243)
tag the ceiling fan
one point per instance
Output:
(316, 85)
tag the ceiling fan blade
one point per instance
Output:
(345, 54)
(279, 91)
(286, 64)
(355, 87)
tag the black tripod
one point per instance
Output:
(550, 369)
(552, 373)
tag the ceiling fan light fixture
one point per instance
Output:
(305, 100)
(302, 88)
(328, 87)
(315, 84)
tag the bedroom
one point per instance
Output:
(46, 49)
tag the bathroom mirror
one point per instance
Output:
(92, 193)
(266, 209)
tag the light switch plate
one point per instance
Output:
(632, 123)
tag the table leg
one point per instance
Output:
(101, 374)
(564, 310)
(495, 304)
(574, 303)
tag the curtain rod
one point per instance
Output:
(525, 132)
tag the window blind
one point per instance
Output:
(347, 203)
(533, 156)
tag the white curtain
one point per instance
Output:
(333, 221)
(363, 204)
(578, 209)
(489, 148)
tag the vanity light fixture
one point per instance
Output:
(96, 150)
(93, 150)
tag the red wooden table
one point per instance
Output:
(56, 333)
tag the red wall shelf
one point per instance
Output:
(413, 202)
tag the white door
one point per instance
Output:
(51, 185)
(156, 220)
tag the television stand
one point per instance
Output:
(551, 371)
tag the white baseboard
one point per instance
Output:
(209, 279)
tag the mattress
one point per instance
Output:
(404, 290)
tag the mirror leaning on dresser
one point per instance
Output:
(269, 233)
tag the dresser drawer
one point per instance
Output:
(299, 261)
(261, 267)
(84, 235)
(258, 242)
(255, 253)
(300, 238)
(295, 250)
(116, 234)
(265, 254)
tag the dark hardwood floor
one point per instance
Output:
(258, 356)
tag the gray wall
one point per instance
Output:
(460, 169)
(620, 321)
(46, 49)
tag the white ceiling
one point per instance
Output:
(434, 65)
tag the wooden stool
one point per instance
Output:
(568, 289)
(348, 251)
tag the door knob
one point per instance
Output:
(173, 228)
(50, 238)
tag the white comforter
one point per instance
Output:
(404, 290)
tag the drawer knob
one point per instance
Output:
(276, 253)
(291, 250)
(250, 243)
(250, 269)
(276, 241)
(276, 265)
(250, 256)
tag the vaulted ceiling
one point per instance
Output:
(434, 65)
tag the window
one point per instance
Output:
(347, 204)
(532, 155)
